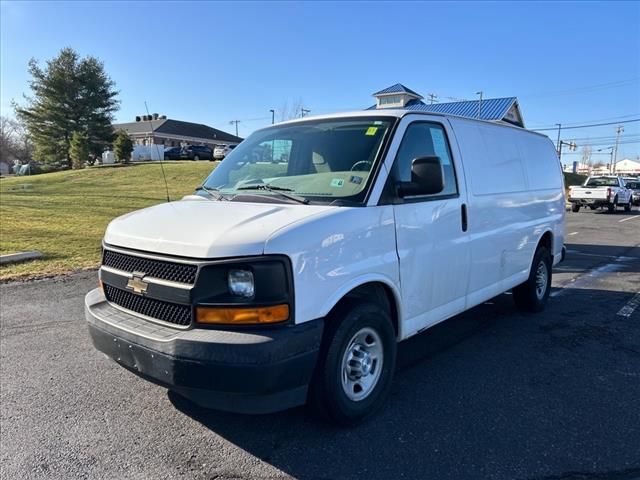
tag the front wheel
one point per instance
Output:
(196, 157)
(575, 207)
(532, 295)
(356, 364)
(627, 206)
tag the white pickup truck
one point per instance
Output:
(602, 191)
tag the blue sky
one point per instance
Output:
(212, 62)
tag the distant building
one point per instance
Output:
(160, 130)
(505, 110)
(628, 167)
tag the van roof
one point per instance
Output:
(399, 113)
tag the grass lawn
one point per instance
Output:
(64, 214)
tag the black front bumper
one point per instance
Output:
(256, 371)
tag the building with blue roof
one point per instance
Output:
(506, 110)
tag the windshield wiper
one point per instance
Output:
(274, 189)
(211, 191)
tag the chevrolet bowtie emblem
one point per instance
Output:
(137, 284)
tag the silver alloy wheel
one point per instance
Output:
(362, 364)
(542, 278)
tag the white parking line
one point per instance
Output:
(572, 233)
(628, 218)
(617, 259)
(630, 306)
(586, 279)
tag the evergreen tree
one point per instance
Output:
(79, 149)
(70, 94)
(122, 147)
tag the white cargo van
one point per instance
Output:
(317, 245)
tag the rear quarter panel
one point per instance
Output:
(515, 195)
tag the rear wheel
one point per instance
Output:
(532, 295)
(575, 207)
(612, 207)
(627, 206)
(356, 363)
(196, 157)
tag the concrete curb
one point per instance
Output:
(19, 257)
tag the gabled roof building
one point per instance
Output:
(160, 130)
(505, 109)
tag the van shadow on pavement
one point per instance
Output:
(489, 393)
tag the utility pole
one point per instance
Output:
(273, 116)
(619, 130)
(558, 141)
(480, 104)
(236, 122)
(432, 98)
(304, 111)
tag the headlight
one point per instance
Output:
(241, 283)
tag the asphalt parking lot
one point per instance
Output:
(490, 394)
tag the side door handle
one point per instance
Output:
(463, 213)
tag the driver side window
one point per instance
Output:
(423, 139)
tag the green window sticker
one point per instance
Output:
(337, 182)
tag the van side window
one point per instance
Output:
(423, 139)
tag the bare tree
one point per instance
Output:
(290, 109)
(15, 143)
(586, 155)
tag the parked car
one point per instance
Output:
(173, 153)
(222, 151)
(190, 152)
(601, 191)
(292, 281)
(633, 184)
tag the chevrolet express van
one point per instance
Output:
(319, 244)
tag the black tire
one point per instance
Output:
(327, 395)
(592, 207)
(627, 206)
(196, 158)
(526, 295)
(575, 207)
(612, 207)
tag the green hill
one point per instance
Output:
(64, 214)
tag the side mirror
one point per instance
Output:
(427, 178)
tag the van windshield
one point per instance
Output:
(320, 160)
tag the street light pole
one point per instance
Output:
(273, 116)
(558, 141)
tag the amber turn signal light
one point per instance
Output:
(242, 315)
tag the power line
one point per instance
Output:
(587, 121)
(587, 126)
(581, 89)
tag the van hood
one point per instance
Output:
(201, 228)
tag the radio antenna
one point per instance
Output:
(164, 177)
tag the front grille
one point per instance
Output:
(175, 272)
(168, 312)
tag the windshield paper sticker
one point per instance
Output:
(355, 179)
(337, 182)
(439, 143)
(371, 131)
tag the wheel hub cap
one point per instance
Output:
(362, 364)
(541, 279)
